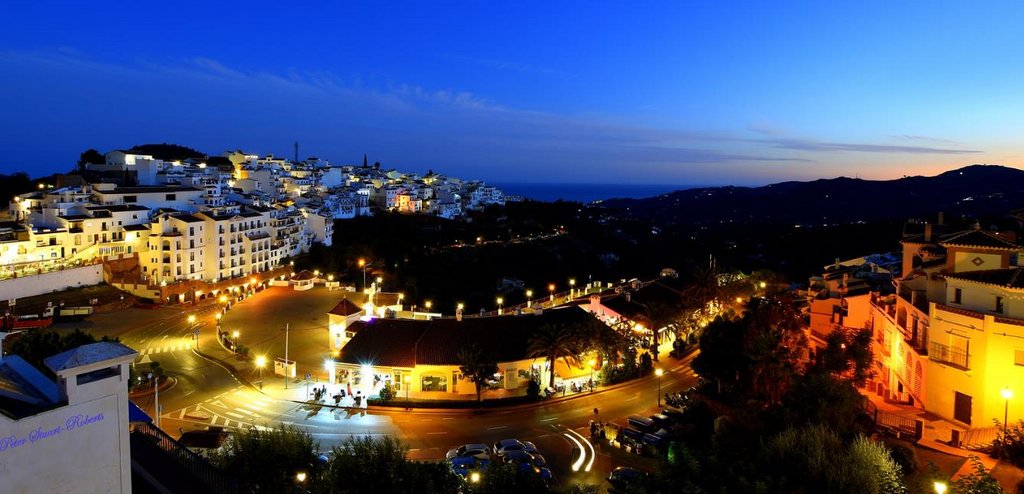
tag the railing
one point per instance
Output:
(953, 356)
(894, 424)
(979, 438)
(209, 475)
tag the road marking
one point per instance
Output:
(498, 427)
(235, 415)
(549, 419)
(631, 399)
(243, 411)
(448, 418)
(436, 433)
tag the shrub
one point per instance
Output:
(903, 455)
(533, 389)
(387, 393)
(1009, 444)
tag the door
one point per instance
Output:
(962, 408)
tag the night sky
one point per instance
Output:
(589, 92)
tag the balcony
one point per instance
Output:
(955, 357)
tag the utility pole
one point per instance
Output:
(287, 363)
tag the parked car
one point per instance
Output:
(675, 415)
(506, 445)
(476, 450)
(624, 476)
(464, 465)
(642, 424)
(663, 421)
(535, 459)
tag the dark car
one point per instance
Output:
(624, 476)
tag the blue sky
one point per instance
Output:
(683, 92)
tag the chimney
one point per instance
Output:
(928, 232)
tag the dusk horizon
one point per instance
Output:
(688, 93)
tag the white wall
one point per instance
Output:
(70, 449)
(54, 281)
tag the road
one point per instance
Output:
(206, 394)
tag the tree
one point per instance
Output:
(552, 342)
(978, 482)
(366, 464)
(477, 367)
(1009, 444)
(847, 355)
(35, 346)
(91, 157)
(269, 459)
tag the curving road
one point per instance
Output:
(206, 394)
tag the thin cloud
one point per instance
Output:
(824, 146)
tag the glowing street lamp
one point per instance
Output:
(940, 487)
(659, 372)
(428, 304)
(300, 477)
(261, 362)
(1007, 394)
(362, 265)
(572, 287)
(474, 477)
(551, 290)
(529, 298)
(500, 302)
(222, 299)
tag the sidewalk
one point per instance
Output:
(274, 385)
(936, 434)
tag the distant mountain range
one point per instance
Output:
(975, 190)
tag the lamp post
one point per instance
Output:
(428, 304)
(529, 298)
(659, 372)
(572, 288)
(500, 302)
(192, 328)
(940, 487)
(1007, 394)
(261, 361)
(362, 265)
(408, 382)
(551, 290)
(234, 335)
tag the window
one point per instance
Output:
(171, 197)
(957, 296)
(129, 199)
(191, 230)
(999, 304)
(433, 383)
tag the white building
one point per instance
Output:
(68, 435)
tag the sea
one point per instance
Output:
(587, 193)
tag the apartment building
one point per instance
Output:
(951, 339)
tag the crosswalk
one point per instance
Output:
(171, 347)
(239, 408)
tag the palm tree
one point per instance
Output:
(552, 342)
(476, 367)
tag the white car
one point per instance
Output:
(479, 451)
(506, 445)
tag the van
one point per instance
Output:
(642, 424)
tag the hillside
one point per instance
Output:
(972, 191)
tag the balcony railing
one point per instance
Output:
(956, 357)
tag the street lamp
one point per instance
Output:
(408, 381)
(1007, 394)
(261, 361)
(474, 477)
(362, 265)
(659, 372)
(940, 487)
(572, 287)
(500, 302)
(427, 304)
(592, 363)
(192, 328)
(529, 298)
(551, 290)
(300, 477)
